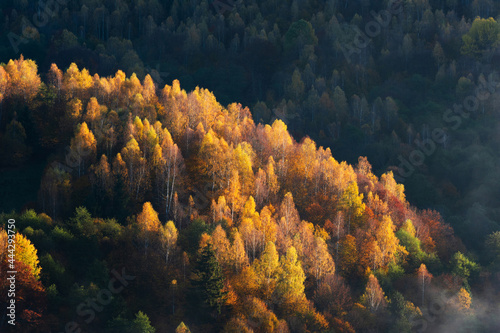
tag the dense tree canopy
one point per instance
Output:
(244, 219)
(212, 217)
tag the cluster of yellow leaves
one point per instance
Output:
(24, 252)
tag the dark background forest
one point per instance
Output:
(411, 85)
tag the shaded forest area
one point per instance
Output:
(168, 176)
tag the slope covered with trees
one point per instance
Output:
(212, 222)
(388, 79)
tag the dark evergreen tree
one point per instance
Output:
(208, 280)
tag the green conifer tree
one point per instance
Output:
(208, 280)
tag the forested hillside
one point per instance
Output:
(212, 221)
(411, 84)
(250, 165)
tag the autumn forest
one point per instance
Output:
(142, 194)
